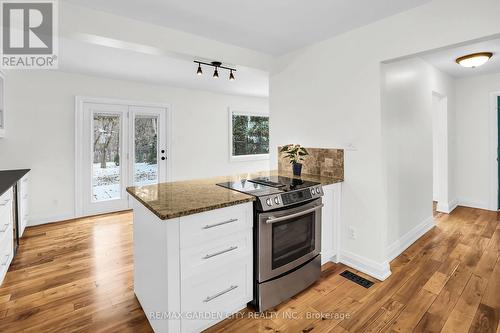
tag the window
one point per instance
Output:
(249, 136)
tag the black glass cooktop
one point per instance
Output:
(268, 185)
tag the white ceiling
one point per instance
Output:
(273, 27)
(445, 59)
(144, 65)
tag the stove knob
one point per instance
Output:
(312, 191)
(318, 191)
(277, 200)
(269, 202)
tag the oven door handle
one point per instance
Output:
(272, 219)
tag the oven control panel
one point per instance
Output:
(276, 201)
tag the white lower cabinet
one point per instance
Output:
(6, 232)
(194, 271)
(330, 223)
(22, 199)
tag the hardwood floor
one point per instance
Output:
(77, 276)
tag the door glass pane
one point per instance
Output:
(146, 150)
(292, 239)
(106, 157)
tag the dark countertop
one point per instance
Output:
(9, 177)
(176, 199)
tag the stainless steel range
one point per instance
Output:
(287, 236)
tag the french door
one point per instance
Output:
(122, 145)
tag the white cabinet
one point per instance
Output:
(2, 105)
(191, 272)
(330, 223)
(6, 232)
(23, 204)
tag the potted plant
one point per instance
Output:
(296, 154)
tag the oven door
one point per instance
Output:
(288, 238)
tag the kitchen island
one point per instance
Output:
(193, 248)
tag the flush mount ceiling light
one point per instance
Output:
(217, 65)
(474, 60)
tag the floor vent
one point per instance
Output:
(357, 279)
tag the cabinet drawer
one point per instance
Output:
(218, 293)
(6, 228)
(24, 184)
(6, 252)
(220, 253)
(6, 203)
(199, 228)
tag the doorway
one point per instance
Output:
(440, 152)
(118, 145)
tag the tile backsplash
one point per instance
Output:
(325, 162)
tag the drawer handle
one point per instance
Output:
(208, 256)
(208, 226)
(209, 298)
(6, 227)
(5, 203)
(6, 260)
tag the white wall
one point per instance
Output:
(409, 89)
(40, 133)
(476, 167)
(407, 137)
(328, 94)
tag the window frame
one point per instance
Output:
(242, 158)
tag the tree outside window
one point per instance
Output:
(250, 134)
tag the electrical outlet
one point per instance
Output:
(352, 232)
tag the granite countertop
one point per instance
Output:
(176, 199)
(9, 177)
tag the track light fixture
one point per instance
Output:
(217, 65)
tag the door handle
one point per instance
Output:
(272, 219)
(6, 260)
(6, 226)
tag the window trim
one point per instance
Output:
(243, 158)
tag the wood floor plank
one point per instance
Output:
(485, 320)
(413, 312)
(383, 318)
(460, 319)
(438, 313)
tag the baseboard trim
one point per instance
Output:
(379, 271)
(33, 221)
(328, 257)
(447, 208)
(474, 204)
(397, 247)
